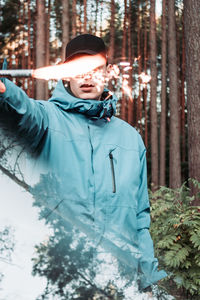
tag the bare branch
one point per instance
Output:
(12, 176)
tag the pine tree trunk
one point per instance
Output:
(23, 57)
(112, 38)
(183, 131)
(145, 71)
(130, 59)
(123, 100)
(124, 32)
(96, 14)
(74, 29)
(101, 19)
(174, 160)
(192, 47)
(29, 58)
(163, 98)
(65, 26)
(153, 99)
(85, 17)
(47, 35)
(40, 47)
(139, 54)
(112, 32)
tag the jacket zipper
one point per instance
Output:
(112, 172)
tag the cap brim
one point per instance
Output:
(80, 52)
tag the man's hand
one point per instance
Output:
(150, 295)
(2, 87)
(148, 292)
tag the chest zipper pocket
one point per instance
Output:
(112, 172)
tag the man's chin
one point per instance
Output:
(90, 96)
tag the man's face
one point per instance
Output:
(89, 85)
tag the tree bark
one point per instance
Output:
(74, 29)
(112, 32)
(145, 71)
(65, 26)
(192, 47)
(183, 127)
(112, 39)
(30, 56)
(101, 19)
(174, 159)
(139, 54)
(124, 41)
(130, 59)
(153, 98)
(40, 47)
(85, 17)
(163, 98)
(47, 35)
(96, 14)
(124, 38)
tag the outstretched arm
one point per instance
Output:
(22, 115)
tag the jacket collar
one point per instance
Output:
(93, 109)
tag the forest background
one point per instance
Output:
(158, 90)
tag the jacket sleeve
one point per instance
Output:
(148, 273)
(22, 116)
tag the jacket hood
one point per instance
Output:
(93, 109)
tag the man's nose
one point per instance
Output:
(88, 76)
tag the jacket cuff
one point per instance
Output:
(147, 289)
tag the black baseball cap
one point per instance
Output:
(85, 44)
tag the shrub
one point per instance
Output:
(175, 229)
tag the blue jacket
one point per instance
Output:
(100, 168)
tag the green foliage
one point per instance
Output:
(175, 230)
(9, 21)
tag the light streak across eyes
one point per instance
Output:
(73, 68)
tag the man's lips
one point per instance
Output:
(86, 87)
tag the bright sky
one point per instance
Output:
(158, 7)
(16, 210)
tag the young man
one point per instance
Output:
(97, 160)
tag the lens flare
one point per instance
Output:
(127, 68)
(124, 63)
(145, 78)
(113, 71)
(137, 58)
(86, 68)
(126, 88)
(73, 68)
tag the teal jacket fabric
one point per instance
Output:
(100, 164)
